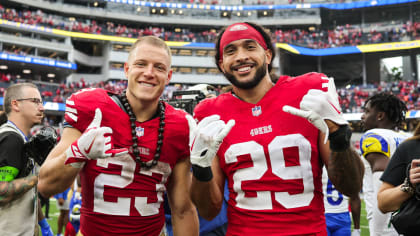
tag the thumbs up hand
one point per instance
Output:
(95, 143)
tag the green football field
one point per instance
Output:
(53, 215)
(364, 226)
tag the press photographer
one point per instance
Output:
(19, 211)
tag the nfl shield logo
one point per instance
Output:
(256, 111)
(139, 131)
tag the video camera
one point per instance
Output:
(40, 144)
(187, 101)
(38, 147)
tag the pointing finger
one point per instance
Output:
(225, 130)
(191, 122)
(296, 112)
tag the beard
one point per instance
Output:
(259, 75)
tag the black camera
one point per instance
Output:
(40, 144)
(187, 99)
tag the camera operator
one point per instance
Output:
(18, 178)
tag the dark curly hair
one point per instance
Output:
(265, 34)
(390, 104)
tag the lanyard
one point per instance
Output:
(9, 122)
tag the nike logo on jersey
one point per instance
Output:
(335, 108)
(87, 151)
(368, 145)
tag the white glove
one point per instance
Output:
(317, 106)
(94, 143)
(355, 232)
(206, 137)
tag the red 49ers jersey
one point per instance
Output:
(271, 161)
(120, 198)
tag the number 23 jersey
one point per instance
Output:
(120, 198)
(271, 160)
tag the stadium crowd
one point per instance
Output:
(342, 35)
(352, 97)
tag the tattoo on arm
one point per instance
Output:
(12, 190)
(346, 171)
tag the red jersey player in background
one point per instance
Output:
(272, 159)
(129, 149)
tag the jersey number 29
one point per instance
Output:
(263, 199)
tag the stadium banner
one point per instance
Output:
(287, 47)
(320, 52)
(51, 106)
(217, 7)
(25, 26)
(412, 114)
(37, 60)
(93, 36)
(109, 37)
(395, 46)
(54, 106)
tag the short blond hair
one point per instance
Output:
(152, 40)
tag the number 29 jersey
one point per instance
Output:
(271, 160)
(119, 197)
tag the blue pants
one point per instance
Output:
(338, 224)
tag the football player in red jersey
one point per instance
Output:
(270, 152)
(129, 149)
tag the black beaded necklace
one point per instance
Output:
(161, 109)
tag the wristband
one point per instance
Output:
(203, 174)
(355, 232)
(340, 139)
(43, 223)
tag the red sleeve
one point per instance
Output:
(204, 108)
(80, 107)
